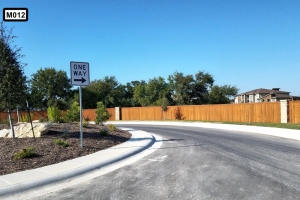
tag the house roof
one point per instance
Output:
(264, 91)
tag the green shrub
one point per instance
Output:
(73, 115)
(42, 119)
(61, 142)
(103, 131)
(66, 134)
(25, 153)
(54, 114)
(85, 123)
(5, 121)
(111, 127)
(102, 115)
(25, 117)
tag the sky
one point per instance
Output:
(249, 44)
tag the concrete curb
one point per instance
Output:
(278, 132)
(10, 190)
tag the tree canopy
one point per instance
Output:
(13, 86)
(222, 94)
(50, 87)
(151, 93)
(189, 89)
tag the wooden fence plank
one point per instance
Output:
(294, 112)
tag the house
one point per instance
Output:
(264, 95)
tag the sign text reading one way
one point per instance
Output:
(77, 69)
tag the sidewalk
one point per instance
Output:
(277, 132)
(30, 179)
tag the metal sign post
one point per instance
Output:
(80, 76)
(80, 102)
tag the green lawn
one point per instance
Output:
(275, 125)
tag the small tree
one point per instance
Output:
(13, 86)
(102, 115)
(164, 106)
(73, 115)
(54, 114)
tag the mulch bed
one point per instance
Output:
(50, 153)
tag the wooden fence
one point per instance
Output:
(250, 112)
(294, 112)
(36, 115)
(247, 112)
(90, 113)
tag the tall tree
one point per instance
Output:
(152, 93)
(181, 87)
(50, 87)
(12, 79)
(200, 88)
(222, 94)
(113, 94)
(88, 98)
(129, 95)
(189, 89)
(103, 88)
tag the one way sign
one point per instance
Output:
(80, 73)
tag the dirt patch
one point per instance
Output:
(50, 153)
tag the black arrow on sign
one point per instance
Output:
(82, 80)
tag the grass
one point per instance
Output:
(111, 127)
(29, 152)
(103, 131)
(61, 142)
(274, 125)
(85, 123)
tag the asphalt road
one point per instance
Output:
(198, 163)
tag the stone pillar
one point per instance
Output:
(117, 113)
(284, 111)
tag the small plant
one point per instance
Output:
(111, 127)
(103, 131)
(61, 142)
(54, 114)
(102, 115)
(42, 119)
(85, 123)
(5, 121)
(164, 106)
(25, 117)
(73, 115)
(29, 152)
(66, 134)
